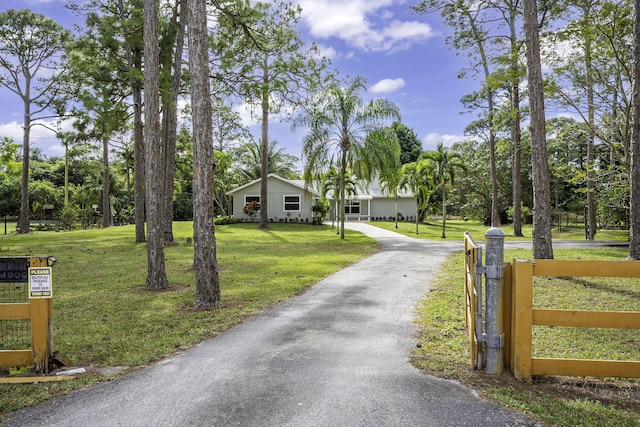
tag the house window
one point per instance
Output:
(292, 203)
(249, 199)
(352, 206)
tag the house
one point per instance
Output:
(292, 201)
(372, 204)
(288, 200)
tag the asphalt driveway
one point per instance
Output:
(337, 355)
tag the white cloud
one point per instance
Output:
(363, 24)
(387, 86)
(41, 136)
(431, 141)
(251, 114)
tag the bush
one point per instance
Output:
(222, 220)
(69, 216)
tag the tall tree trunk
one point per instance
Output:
(204, 253)
(395, 206)
(417, 214)
(542, 245)
(495, 206)
(516, 133)
(480, 40)
(634, 178)
(134, 62)
(156, 273)
(444, 211)
(24, 199)
(341, 198)
(170, 121)
(138, 163)
(264, 144)
(106, 205)
(591, 200)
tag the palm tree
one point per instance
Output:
(347, 131)
(446, 164)
(330, 182)
(250, 161)
(390, 185)
(419, 179)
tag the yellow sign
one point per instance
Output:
(40, 282)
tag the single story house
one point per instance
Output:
(292, 201)
(288, 200)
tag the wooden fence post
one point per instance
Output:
(522, 292)
(41, 325)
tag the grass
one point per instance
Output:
(443, 348)
(431, 229)
(104, 317)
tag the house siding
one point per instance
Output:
(386, 207)
(277, 190)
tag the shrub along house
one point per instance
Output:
(291, 201)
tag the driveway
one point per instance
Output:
(337, 355)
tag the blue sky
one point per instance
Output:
(402, 55)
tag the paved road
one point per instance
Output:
(335, 356)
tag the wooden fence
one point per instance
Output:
(519, 316)
(473, 298)
(39, 312)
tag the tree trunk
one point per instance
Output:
(480, 40)
(542, 245)
(444, 211)
(170, 122)
(516, 133)
(204, 239)
(341, 204)
(591, 200)
(134, 62)
(634, 178)
(395, 205)
(138, 164)
(417, 214)
(106, 205)
(495, 207)
(156, 273)
(264, 143)
(24, 199)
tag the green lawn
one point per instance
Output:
(431, 229)
(104, 317)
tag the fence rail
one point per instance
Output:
(473, 298)
(523, 317)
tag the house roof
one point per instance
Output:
(365, 192)
(295, 182)
(373, 190)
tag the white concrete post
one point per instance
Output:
(494, 334)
